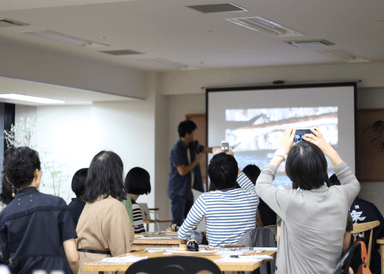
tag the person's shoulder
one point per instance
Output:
(177, 145)
(48, 199)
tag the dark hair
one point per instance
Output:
(333, 181)
(137, 181)
(185, 127)
(105, 177)
(6, 191)
(306, 166)
(252, 172)
(78, 182)
(20, 165)
(222, 171)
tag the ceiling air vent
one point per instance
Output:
(122, 52)
(310, 43)
(6, 22)
(225, 7)
(265, 26)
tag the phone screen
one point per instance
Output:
(299, 135)
(224, 146)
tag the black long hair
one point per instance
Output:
(105, 177)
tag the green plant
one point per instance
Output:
(21, 134)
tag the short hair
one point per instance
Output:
(137, 181)
(252, 172)
(78, 182)
(20, 164)
(222, 171)
(306, 166)
(185, 127)
(105, 177)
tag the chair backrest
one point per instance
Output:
(362, 228)
(342, 266)
(260, 237)
(144, 211)
(174, 265)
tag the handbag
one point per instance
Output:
(363, 268)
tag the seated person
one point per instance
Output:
(363, 211)
(104, 228)
(36, 229)
(264, 215)
(78, 187)
(313, 214)
(229, 209)
(137, 183)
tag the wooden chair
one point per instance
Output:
(362, 228)
(342, 266)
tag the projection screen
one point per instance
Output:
(256, 117)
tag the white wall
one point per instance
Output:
(74, 134)
(194, 81)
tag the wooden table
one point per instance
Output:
(224, 266)
(155, 241)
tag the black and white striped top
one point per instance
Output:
(137, 218)
(228, 214)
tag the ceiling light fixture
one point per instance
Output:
(33, 99)
(265, 26)
(343, 55)
(64, 38)
(310, 43)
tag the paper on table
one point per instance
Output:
(160, 249)
(255, 258)
(265, 248)
(122, 260)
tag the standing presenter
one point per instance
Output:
(184, 171)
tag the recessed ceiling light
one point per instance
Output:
(343, 55)
(64, 38)
(265, 26)
(33, 99)
(310, 43)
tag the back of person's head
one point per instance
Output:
(252, 172)
(306, 166)
(78, 182)
(222, 171)
(105, 177)
(19, 166)
(185, 127)
(333, 181)
(137, 181)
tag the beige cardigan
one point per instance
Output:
(104, 225)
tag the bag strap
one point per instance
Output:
(364, 267)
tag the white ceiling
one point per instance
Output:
(168, 30)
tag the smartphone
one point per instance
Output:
(224, 146)
(299, 135)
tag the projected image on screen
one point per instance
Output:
(259, 130)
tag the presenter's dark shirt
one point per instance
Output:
(76, 207)
(32, 229)
(177, 184)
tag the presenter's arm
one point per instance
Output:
(184, 170)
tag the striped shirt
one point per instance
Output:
(137, 218)
(228, 214)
